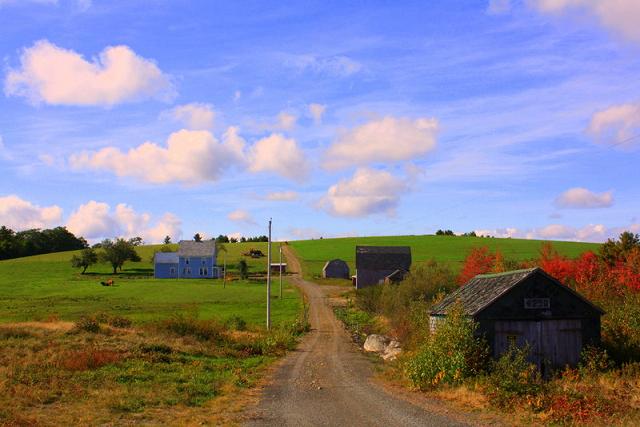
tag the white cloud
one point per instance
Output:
(586, 233)
(282, 196)
(59, 76)
(19, 214)
(621, 16)
(240, 215)
(368, 192)
(386, 140)
(338, 65)
(584, 199)
(189, 157)
(279, 155)
(617, 125)
(95, 220)
(286, 121)
(195, 116)
(498, 7)
(317, 111)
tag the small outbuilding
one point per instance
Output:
(336, 269)
(375, 263)
(527, 307)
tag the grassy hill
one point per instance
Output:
(450, 249)
(44, 286)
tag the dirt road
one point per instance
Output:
(327, 380)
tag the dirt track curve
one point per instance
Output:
(327, 380)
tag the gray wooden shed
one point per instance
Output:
(527, 306)
(375, 263)
(336, 269)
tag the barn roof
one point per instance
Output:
(191, 248)
(481, 291)
(166, 257)
(383, 257)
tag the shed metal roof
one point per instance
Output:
(383, 257)
(203, 249)
(481, 291)
(166, 258)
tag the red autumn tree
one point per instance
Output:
(556, 265)
(479, 261)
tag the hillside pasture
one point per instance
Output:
(46, 286)
(448, 249)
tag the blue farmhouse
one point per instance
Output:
(194, 260)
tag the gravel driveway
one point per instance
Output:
(326, 381)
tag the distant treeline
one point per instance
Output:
(226, 239)
(34, 242)
(451, 233)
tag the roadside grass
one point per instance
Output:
(67, 376)
(73, 352)
(448, 249)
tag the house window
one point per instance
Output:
(201, 271)
(206, 272)
(203, 262)
(186, 261)
(184, 271)
(189, 271)
(172, 271)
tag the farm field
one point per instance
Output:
(144, 350)
(45, 286)
(449, 249)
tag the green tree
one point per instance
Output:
(116, 253)
(167, 240)
(243, 268)
(197, 237)
(87, 257)
(136, 241)
(615, 251)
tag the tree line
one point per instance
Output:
(36, 241)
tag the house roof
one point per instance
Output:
(166, 257)
(383, 257)
(335, 263)
(190, 248)
(481, 291)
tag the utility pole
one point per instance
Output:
(269, 279)
(280, 297)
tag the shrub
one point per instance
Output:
(621, 329)
(236, 323)
(119, 322)
(451, 354)
(594, 359)
(88, 324)
(203, 330)
(513, 376)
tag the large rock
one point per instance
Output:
(392, 350)
(376, 343)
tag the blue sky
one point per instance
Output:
(511, 118)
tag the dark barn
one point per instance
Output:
(375, 263)
(527, 306)
(336, 269)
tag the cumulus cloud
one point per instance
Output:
(19, 214)
(317, 111)
(584, 199)
(498, 7)
(621, 16)
(241, 215)
(617, 125)
(282, 196)
(96, 220)
(279, 155)
(586, 233)
(386, 140)
(189, 157)
(195, 116)
(286, 121)
(368, 192)
(58, 76)
(338, 65)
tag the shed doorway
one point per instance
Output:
(554, 342)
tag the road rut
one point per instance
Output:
(327, 380)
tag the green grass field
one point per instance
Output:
(451, 250)
(44, 286)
